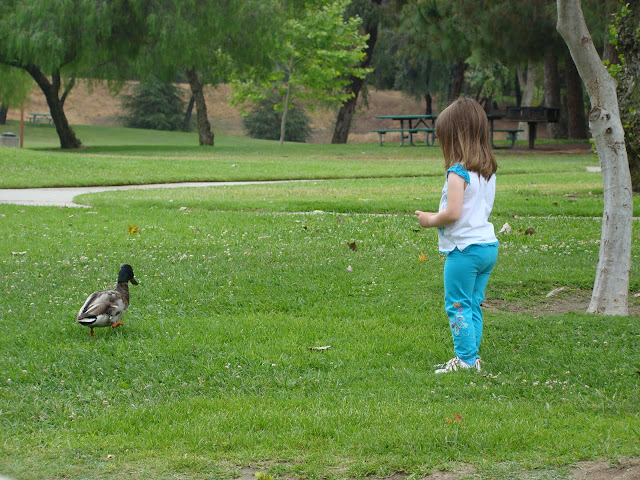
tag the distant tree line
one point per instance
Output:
(316, 53)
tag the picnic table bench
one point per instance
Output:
(36, 118)
(423, 124)
(512, 133)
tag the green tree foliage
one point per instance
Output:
(316, 56)
(264, 121)
(436, 29)
(49, 40)
(15, 85)
(511, 32)
(208, 41)
(385, 61)
(155, 105)
(371, 13)
(486, 79)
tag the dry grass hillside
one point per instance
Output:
(97, 105)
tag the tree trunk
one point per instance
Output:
(345, 114)
(552, 97)
(285, 111)
(611, 288)
(577, 121)
(205, 135)
(3, 113)
(458, 80)
(518, 90)
(629, 88)
(186, 123)
(67, 89)
(428, 100)
(428, 104)
(51, 89)
(528, 83)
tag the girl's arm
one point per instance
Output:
(452, 211)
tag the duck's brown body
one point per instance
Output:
(106, 308)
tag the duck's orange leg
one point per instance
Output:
(117, 324)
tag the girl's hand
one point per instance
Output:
(424, 217)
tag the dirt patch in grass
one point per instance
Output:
(627, 469)
(559, 301)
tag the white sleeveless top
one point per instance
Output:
(473, 226)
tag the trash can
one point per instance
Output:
(9, 139)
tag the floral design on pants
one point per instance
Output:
(459, 323)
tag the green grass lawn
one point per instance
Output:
(213, 373)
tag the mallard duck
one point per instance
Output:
(105, 308)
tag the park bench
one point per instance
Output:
(512, 134)
(407, 133)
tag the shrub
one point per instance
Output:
(154, 105)
(264, 122)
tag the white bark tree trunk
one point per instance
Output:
(528, 85)
(611, 289)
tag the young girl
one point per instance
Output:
(464, 232)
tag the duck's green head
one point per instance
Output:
(126, 275)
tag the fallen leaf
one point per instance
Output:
(529, 231)
(423, 257)
(457, 419)
(132, 229)
(553, 292)
(352, 245)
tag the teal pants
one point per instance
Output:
(466, 274)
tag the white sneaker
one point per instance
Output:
(478, 364)
(454, 364)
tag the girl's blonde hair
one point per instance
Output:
(463, 132)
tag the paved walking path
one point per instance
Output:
(63, 196)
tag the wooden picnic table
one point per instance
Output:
(36, 118)
(409, 125)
